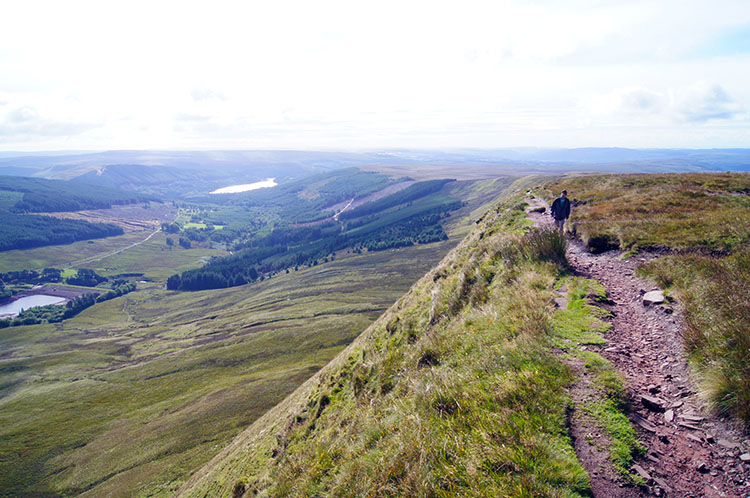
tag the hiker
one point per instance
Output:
(560, 210)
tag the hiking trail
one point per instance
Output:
(691, 452)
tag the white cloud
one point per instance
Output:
(495, 73)
(702, 102)
(22, 114)
(203, 93)
(642, 101)
(25, 124)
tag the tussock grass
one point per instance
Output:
(546, 245)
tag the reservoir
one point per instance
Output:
(233, 189)
(27, 302)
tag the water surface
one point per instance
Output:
(27, 302)
(233, 189)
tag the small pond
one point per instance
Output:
(27, 302)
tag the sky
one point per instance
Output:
(103, 75)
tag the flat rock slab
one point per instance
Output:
(642, 472)
(652, 403)
(653, 297)
(731, 445)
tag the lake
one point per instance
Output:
(233, 189)
(27, 302)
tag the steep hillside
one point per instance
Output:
(452, 392)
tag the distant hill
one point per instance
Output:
(147, 171)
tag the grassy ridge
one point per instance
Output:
(452, 392)
(705, 220)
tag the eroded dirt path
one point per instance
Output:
(690, 452)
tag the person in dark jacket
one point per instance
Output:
(560, 210)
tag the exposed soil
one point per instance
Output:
(591, 444)
(691, 452)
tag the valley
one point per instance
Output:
(159, 381)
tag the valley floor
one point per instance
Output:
(690, 453)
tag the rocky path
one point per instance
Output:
(690, 452)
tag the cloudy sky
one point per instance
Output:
(373, 74)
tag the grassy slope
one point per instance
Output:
(160, 381)
(451, 392)
(705, 218)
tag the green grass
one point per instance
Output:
(207, 364)
(581, 324)
(200, 226)
(471, 408)
(153, 257)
